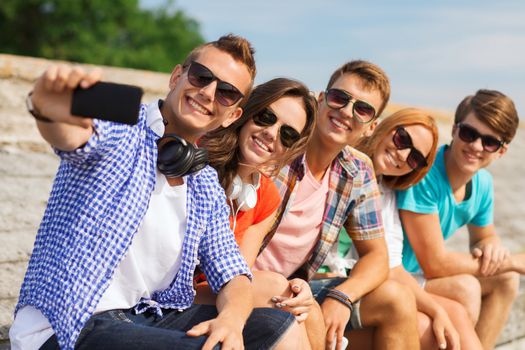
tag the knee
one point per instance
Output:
(397, 301)
(467, 288)
(269, 284)
(508, 285)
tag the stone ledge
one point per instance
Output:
(30, 68)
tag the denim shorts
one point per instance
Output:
(123, 329)
(320, 288)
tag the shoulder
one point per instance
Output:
(483, 182)
(483, 177)
(356, 163)
(206, 181)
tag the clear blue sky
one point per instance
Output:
(435, 52)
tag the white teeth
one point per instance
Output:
(262, 145)
(339, 124)
(392, 161)
(198, 107)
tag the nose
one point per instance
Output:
(402, 154)
(208, 91)
(477, 144)
(348, 110)
(270, 132)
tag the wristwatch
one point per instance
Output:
(31, 109)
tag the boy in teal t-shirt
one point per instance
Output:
(458, 192)
(433, 195)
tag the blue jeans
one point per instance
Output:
(122, 329)
(320, 288)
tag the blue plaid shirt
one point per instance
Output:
(98, 200)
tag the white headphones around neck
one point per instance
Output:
(245, 194)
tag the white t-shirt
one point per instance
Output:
(392, 225)
(150, 264)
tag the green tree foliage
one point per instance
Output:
(108, 32)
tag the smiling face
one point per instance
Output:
(194, 111)
(337, 127)
(470, 157)
(390, 161)
(259, 144)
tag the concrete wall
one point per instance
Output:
(27, 168)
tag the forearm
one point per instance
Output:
(514, 263)
(367, 274)
(65, 137)
(450, 263)
(235, 300)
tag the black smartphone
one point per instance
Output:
(108, 101)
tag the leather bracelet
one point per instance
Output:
(31, 109)
(341, 297)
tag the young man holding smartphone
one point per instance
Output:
(115, 253)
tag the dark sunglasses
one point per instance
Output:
(362, 111)
(469, 134)
(402, 140)
(288, 135)
(225, 93)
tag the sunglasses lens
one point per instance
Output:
(336, 98)
(289, 136)
(227, 94)
(468, 134)
(265, 118)
(364, 111)
(200, 76)
(490, 144)
(402, 139)
(416, 160)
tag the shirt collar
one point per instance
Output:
(154, 118)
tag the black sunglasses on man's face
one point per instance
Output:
(225, 93)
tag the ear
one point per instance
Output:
(234, 115)
(175, 75)
(454, 128)
(320, 97)
(369, 129)
(503, 149)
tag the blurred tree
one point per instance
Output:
(115, 33)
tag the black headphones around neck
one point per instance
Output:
(176, 157)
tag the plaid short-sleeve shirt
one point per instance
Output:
(98, 200)
(353, 201)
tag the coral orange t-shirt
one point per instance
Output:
(268, 201)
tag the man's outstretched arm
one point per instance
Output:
(51, 99)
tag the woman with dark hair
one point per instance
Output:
(276, 124)
(275, 127)
(402, 148)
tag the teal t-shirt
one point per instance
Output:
(433, 194)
